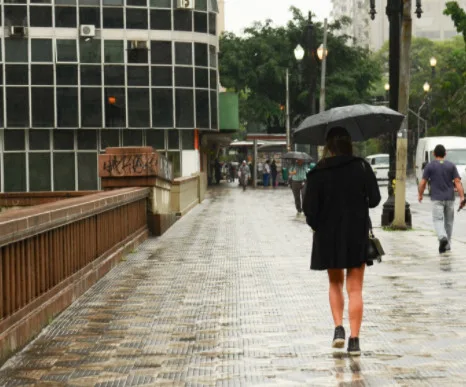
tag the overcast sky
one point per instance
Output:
(240, 14)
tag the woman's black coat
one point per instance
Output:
(338, 195)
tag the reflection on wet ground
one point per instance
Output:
(226, 298)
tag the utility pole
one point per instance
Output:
(322, 80)
(402, 217)
(312, 54)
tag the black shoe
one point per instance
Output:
(339, 337)
(443, 245)
(353, 346)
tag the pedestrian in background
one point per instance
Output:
(244, 173)
(274, 173)
(266, 174)
(443, 177)
(340, 221)
(298, 180)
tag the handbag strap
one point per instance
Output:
(371, 231)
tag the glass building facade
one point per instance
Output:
(148, 77)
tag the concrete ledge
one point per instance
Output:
(26, 323)
(19, 224)
(160, 223)
(185, 194)
(26, 199)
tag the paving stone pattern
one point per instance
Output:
(226, 298)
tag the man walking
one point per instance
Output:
(443, 177)
(266, 174)
(244, 175)
(298, 179)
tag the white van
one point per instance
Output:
(380, 164)
(456, 153)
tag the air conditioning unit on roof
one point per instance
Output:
(87, 30)
(185, 4)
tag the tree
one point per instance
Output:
(458, 16)
(255, 65)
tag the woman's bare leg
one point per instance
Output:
(354, 282)
(336, 279)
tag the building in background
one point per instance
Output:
(77, 77)
(373, 34)
(221, 17)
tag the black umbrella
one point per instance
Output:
(297, 156)
(361, 121)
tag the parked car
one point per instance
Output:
(380, 164)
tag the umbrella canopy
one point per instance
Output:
(361, 121)
(297, 156)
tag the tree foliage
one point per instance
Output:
(255, 66)
(458, 16)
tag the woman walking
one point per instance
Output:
(341, 189)
(274, 173)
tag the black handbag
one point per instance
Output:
(374, 247)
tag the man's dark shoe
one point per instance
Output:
(339, 337)
(353, 346)
(443, 245)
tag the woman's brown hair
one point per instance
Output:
(338, 143)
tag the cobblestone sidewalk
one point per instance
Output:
(226, 298)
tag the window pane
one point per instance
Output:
(114, 75)
(138, 75)
(39, 139)
(67, 107)
(113, 17)
(173, 139)
(113, 51)
(63, 139)
(183, 53)
(43, 112)
(67, 74)
(156, 138)
(40, 16)
(91, 107)
(213, 110)
(187, 139)
(200, 22)
(213, 79)
(63, 171)
(109, 138)
(132, 137)
(16, 50)
(113, 2)
(136, 18)
(162, 108)
(136, 3)
(15, 179)
(202, 109)
(200, 50)
(89, 51)
(1, 108)
(95, 3)
(201, 5)
(87, 171)
(15, 15)
(184, 109)
(160, 20)
(138, 108)
(87, 139)
(115, 108)
(137, 55)
(183, 20)
(174, 158)
(91, 75)
(17, 102)
(89, 16)
(17, 74)
(41, 50)
(162, 76)
(65, 17)
(184, 76)
(66, 51)
(161, 52)
(202, 78)
(65, 2)
(212, 24)
(39, 172)
(161, 3)
(14, 140)
(212, 56)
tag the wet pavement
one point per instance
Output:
(226, 298)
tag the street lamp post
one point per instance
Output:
(394, 13)
(433, 63)
(387, 91)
